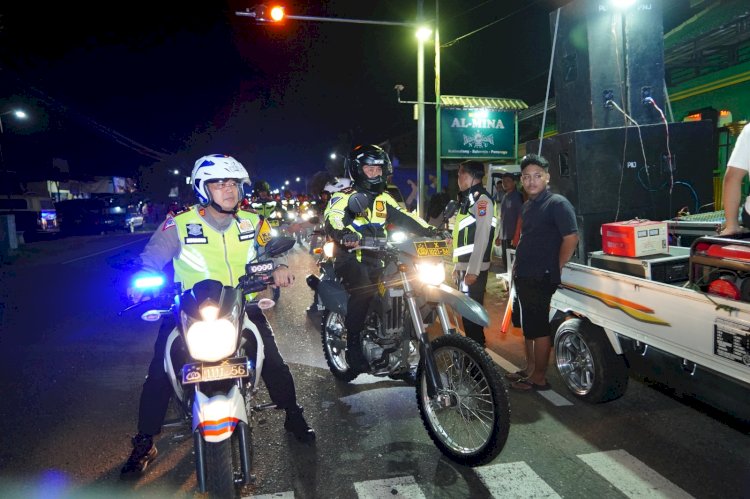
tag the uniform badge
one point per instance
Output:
(245, 225)
(247, 231)
(169, 222)
(379, 206)
(195, 234)
(482, 208)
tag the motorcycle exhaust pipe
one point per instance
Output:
(312, 281)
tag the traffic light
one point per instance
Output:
(277, 13)
(265, 14)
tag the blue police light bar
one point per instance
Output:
(146, 282)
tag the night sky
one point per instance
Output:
(161, 83)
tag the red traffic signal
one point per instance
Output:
(277, 13)
(265, 14)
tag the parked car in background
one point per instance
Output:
(34, 215)
(97, 215)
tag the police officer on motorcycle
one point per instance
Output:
(208, 240)
(262, 201)
(369, 167)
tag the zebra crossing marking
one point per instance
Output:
(400, 487)
(631, 476)
(514, 480)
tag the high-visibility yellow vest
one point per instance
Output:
(206, 253)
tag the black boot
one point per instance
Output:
(144, 451)
(296, 424)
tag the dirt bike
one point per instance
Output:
(214, 359)
(461, 396)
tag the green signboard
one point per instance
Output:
(477, 133)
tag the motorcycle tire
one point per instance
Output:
(332, 332)
(473, 428)
(223, 469)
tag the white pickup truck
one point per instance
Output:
(693, 337)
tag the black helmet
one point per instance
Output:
(261, 186)
(369, 155)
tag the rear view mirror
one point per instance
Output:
(450, 209)
(279, 245)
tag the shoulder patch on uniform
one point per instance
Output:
(169, 222)
(482, 208)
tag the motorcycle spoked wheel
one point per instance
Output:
(473, 428)
(332, 333)
(223, 470)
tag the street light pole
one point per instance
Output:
(438, 144)
(420, 113)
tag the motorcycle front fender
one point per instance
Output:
(216, 417)
(466, 307)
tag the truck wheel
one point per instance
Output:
(587, 363)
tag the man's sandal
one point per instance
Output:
(516, 376)
(526, 385)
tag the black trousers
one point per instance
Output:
(157, 390)
(360, 280)
(506, 244)
(476, 293)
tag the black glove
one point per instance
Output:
(350, 237)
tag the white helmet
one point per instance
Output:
(216, 167)
(337, 184)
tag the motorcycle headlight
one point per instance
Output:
(274, 233)
(305, 217)
(213, 338)
(328, 249)
(291, 215)
(431, 273)
(398, 236)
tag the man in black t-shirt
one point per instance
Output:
(549, 236)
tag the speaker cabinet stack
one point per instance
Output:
(604, 52)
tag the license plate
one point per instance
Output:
(200, 372)
(432, 248)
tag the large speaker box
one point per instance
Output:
(601, 53)
(616, 174)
